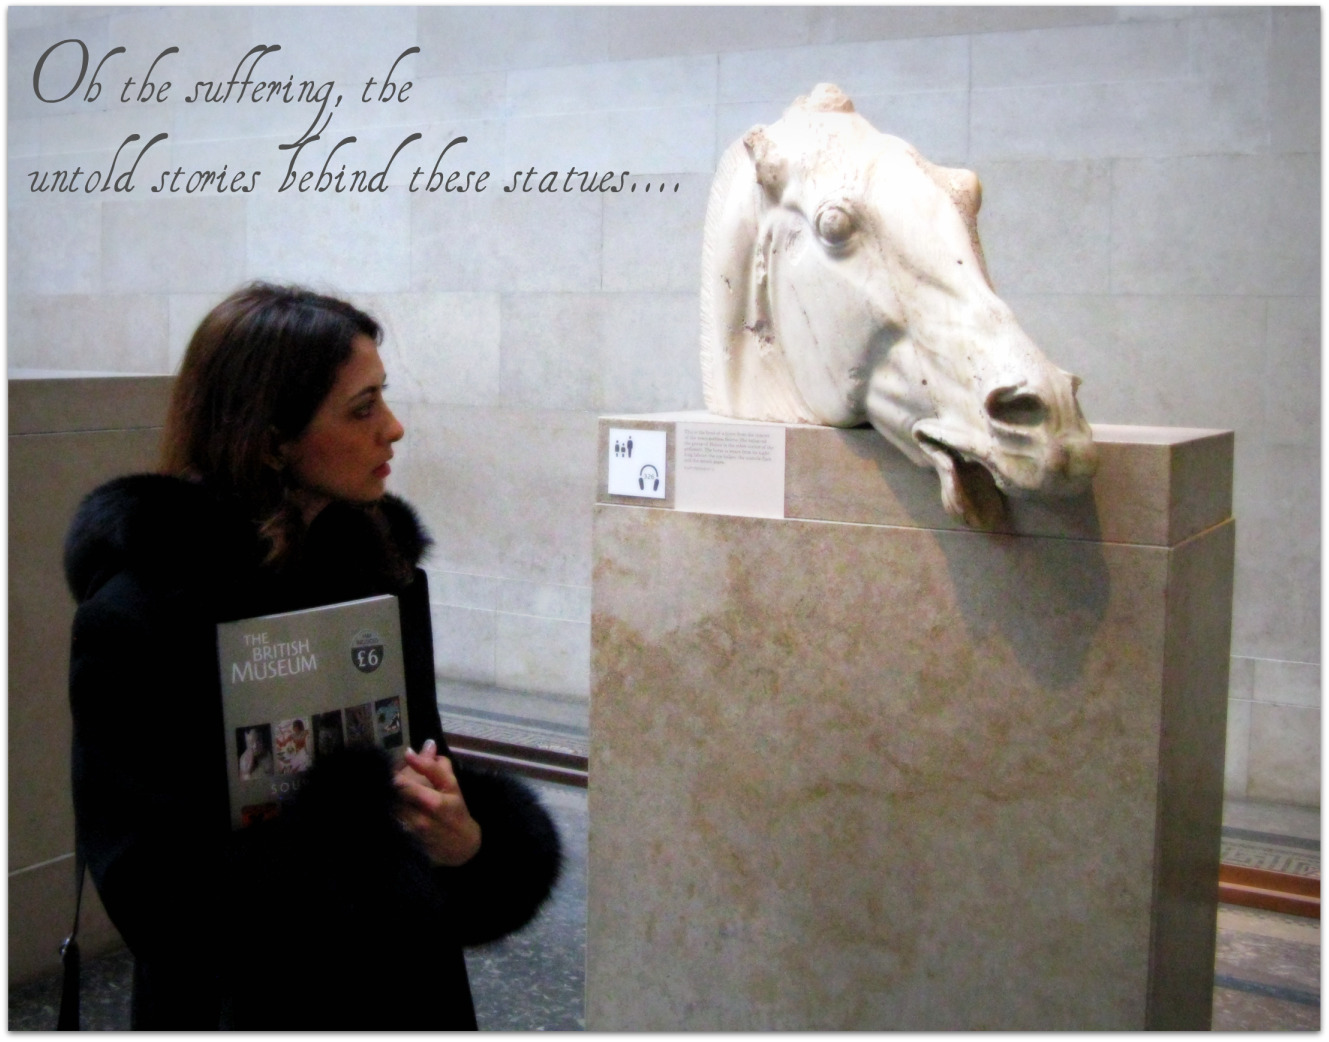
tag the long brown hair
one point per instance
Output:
(255, 372)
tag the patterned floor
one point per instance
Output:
(1267, 971)
(1290, 854)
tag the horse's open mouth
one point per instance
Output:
(968, 489)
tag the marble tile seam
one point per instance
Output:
(86, 430)
(1274, 703)
(1229, 520)
(1279, 661)
(41, 864)
(923, 528)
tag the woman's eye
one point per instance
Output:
(834, 226)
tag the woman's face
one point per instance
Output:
(344, 452)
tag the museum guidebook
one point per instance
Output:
(304, 684)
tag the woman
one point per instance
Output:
(271, 498)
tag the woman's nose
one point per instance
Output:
(394, 430)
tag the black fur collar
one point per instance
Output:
(173, 531)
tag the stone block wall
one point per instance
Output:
(1151, 212)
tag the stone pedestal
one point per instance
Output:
(861, 768)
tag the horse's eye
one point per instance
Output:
(834, 225)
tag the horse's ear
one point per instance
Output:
(772, 167)
(963, 186)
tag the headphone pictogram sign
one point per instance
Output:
(637, 463)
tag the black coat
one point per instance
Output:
(328, 916)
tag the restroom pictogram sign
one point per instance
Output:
(637, 463)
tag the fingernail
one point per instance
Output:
(429, 746)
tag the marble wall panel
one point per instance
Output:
(1188, 355)
(173, 245)
(440, 347)
(54, 246)
(650, 359)
(125, 333)
(637, 140)
(462, 590)
(475, 39)
(52, 472)
(1078, 333)
(210, 44)
(1294, 80)
(542, 655)
(504, 496)
(520, 243)
(1290, 377)
(645, 32)
(878, 23)
(56, 455)
(362, 42)
(553, 347)
(465, 96)
(1047, 227)
(1277, 610)
(652, 241)
(601, 351)
(1284, 754)
(1232, 49)
(1091, 54)
(24, 138)
(936, 122)
(65, 403)
(1101, 121)
(654, 83)
(1218, 224)
(1212, 158)
(518, 635)
(939, 63)
(545, 601)
(1286, 683)
(335, 244)
(59, 72)
(465, 643)
(1236, 755)
(65, 131)
(21, 18)
(1241, 678)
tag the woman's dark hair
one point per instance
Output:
(255, 372)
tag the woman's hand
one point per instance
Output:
(432, 808)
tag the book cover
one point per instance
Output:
(301, 685)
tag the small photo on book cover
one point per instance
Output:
(253, 750)
(328, 734)
(387, 718)
(360, 726)
(256, 812)
(295, 747)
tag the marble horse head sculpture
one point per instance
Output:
(843, 282)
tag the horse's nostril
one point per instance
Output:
(1015, 407)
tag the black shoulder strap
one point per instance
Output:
(69, 956)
